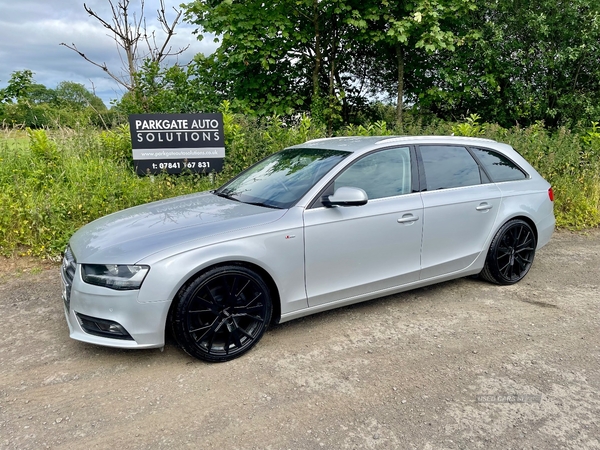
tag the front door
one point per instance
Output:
(352, 251)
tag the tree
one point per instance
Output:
(130, 33)
(26, 103)
(510, 62)
(282, 55)
(172, 89)
(19, 86)
(330, 54)
(76, 96)
(535, 62)
(402, 30)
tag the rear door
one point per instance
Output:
(460, 208)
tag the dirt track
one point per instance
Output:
(405, 371)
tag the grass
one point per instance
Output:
(52, 187)
(52, 183)
(15, 140)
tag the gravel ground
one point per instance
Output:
(463, 364)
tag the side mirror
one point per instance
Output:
(346, 196)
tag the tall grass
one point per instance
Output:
(53, 183)
(53, 186)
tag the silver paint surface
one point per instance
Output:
(318, 258)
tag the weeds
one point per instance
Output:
(54, 186)
(470, 127)
(53, 183)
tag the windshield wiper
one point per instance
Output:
(263, 204)
(229, 197)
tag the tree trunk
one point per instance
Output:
(330, 100)
(317, 68)
(400, 104)
(345, 109)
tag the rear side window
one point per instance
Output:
(498, 166)
(449, 167)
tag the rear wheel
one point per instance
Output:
(511, 253)
(222, 314)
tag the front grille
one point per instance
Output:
(68, 273)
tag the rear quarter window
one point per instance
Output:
(498, 166)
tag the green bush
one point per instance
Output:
(52, 183)
(570, 165)
(53, 186)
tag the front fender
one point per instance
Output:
(277, 248)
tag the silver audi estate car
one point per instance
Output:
(316, 226)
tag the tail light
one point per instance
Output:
(551, 194)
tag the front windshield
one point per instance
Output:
(280, 180)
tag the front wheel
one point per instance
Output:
(511, 253)
(222, 313)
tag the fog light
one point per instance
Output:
(103, 327)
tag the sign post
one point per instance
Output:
(174, 143)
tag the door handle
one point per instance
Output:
(484, 207)
(408, 218)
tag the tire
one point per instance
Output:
(222, 313)
(511, 253)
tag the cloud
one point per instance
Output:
(31, 32)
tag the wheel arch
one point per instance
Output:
(264, 274)
(491, 270)
(524, 218)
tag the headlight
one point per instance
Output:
(114, 276)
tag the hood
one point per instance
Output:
(128, 236)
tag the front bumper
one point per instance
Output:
(144, 322)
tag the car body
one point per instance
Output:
(317, 226)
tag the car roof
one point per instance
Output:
(365, 143)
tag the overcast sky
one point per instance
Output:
(31, 32)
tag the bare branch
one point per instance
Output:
(102, 66)
(128, 31)
(169, 30)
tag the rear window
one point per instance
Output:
(498, 166)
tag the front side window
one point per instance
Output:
(449, 167)
(385, 173)
(499, 167)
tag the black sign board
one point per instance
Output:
(174, 143)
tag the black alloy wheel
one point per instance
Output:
(222, 313)
(511, 253)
